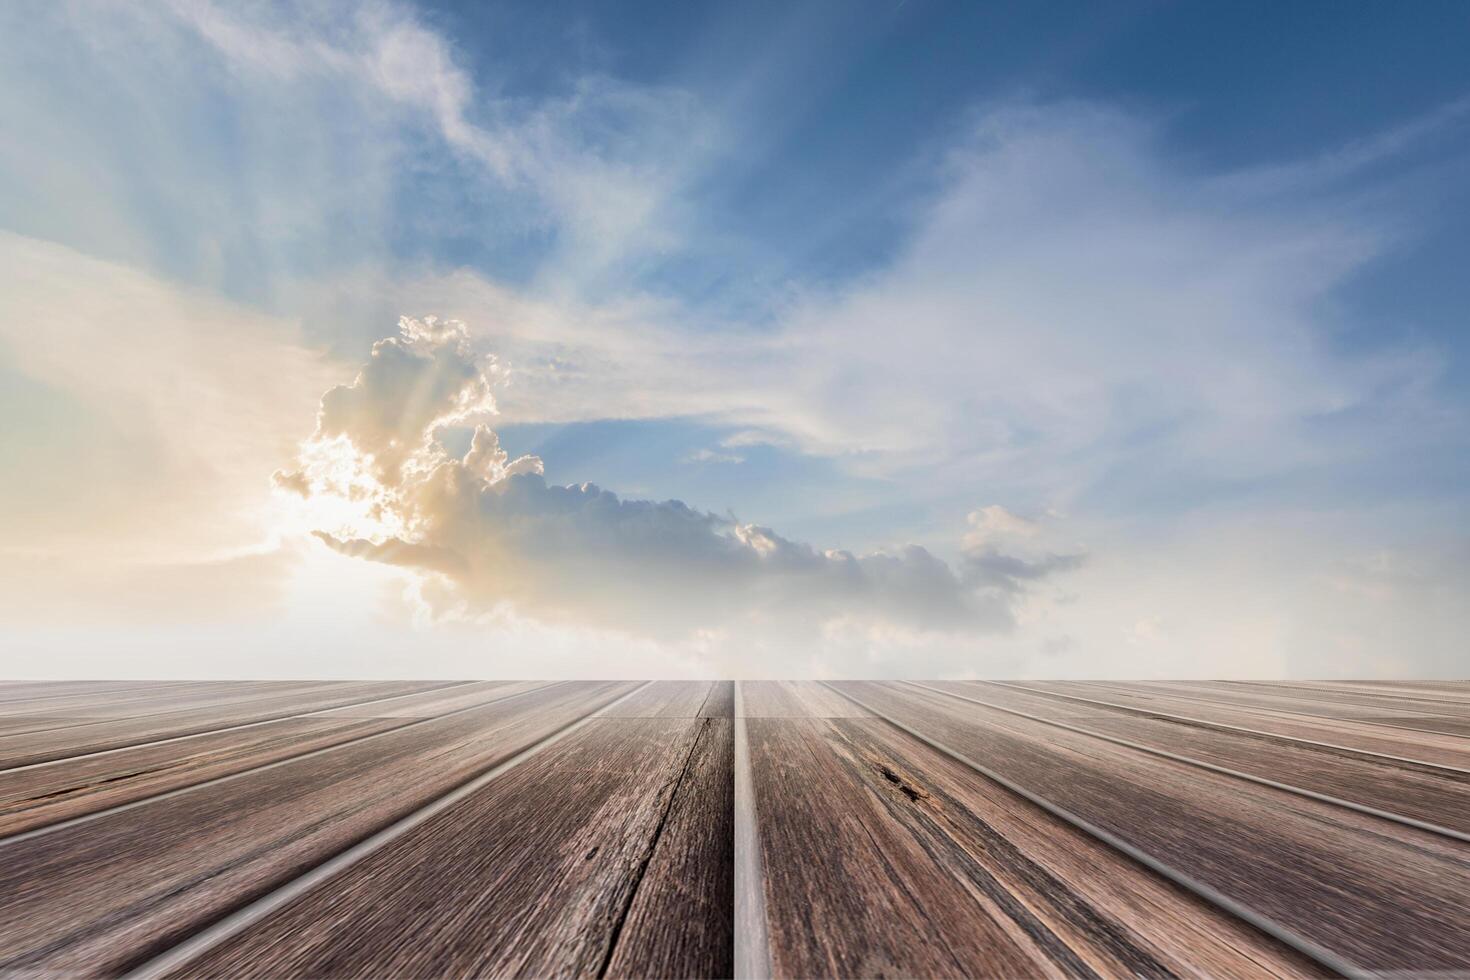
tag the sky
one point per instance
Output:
(849, 339)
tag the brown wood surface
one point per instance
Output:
(1434, 796)
(609, 850)
(795, 699)
(851, 887)
(140, 698)
(31, 798)
(1113, 916)
(28, 690)
(204, 713)
(721, 701)
(544, 863)
(95, 898)
(1437, 748)
(1413, 712)
(50, 792)
(1385, 900)
(665, 699)
(678, 924)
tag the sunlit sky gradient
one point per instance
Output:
(854, 339)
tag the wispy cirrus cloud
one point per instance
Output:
(1066, 315)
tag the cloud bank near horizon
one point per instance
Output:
(494, 533)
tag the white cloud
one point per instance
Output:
(707, 455)
(260, 149)
(1069, 309)
(605, 158)
(498, 535)
(1073, 320)
(993, 523)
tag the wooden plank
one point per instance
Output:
(48, 793)
(1456, 689)
(13, 690)
(851, 887)
(1345, 706)
(21, 724)
(35, 747)
(31, 798)
(1290, 859)
(1434, 796)
(678, 924)
(1429, 747)
(721, 703)
(1398, 695)
(1047, 878)
(665, 699)
(429, 704)
(795, 699)
(546, 860)
(130, 702)
(611, 852)
(95, 898)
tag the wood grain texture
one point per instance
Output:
(666, 699)
(1439, 749)
(795, 699)
(431, 703)
(1415, 713)
(136, 698)
(678, 924)
(238, 695)
(1293, 860)
(851, 887)
(20, 724)
(45, 794)
(92, 899)
(1434, 796)
(546, 861)
(721, 701)
(200, 714)
(610, 852)
(31, 798)
(29, 690)
(1046, 875)
(1392, 695)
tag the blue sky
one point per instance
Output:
(1162, 300)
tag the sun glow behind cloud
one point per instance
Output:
(488, 533)
(1072, 342)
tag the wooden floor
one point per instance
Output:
(682, 829)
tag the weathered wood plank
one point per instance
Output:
(1290, 859)
(665, 699)
(851, 888)
(31, 748)
(1437, 797)
(148, 699)
(611, 852)
(530, 876)
(1430, 747)
(31, 798)
(429, 704)
(679, 922)
(1079, 903)
(92, 899)
(795, 699)
(721, 703)
(1341, 705)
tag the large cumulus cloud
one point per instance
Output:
(490, 532)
